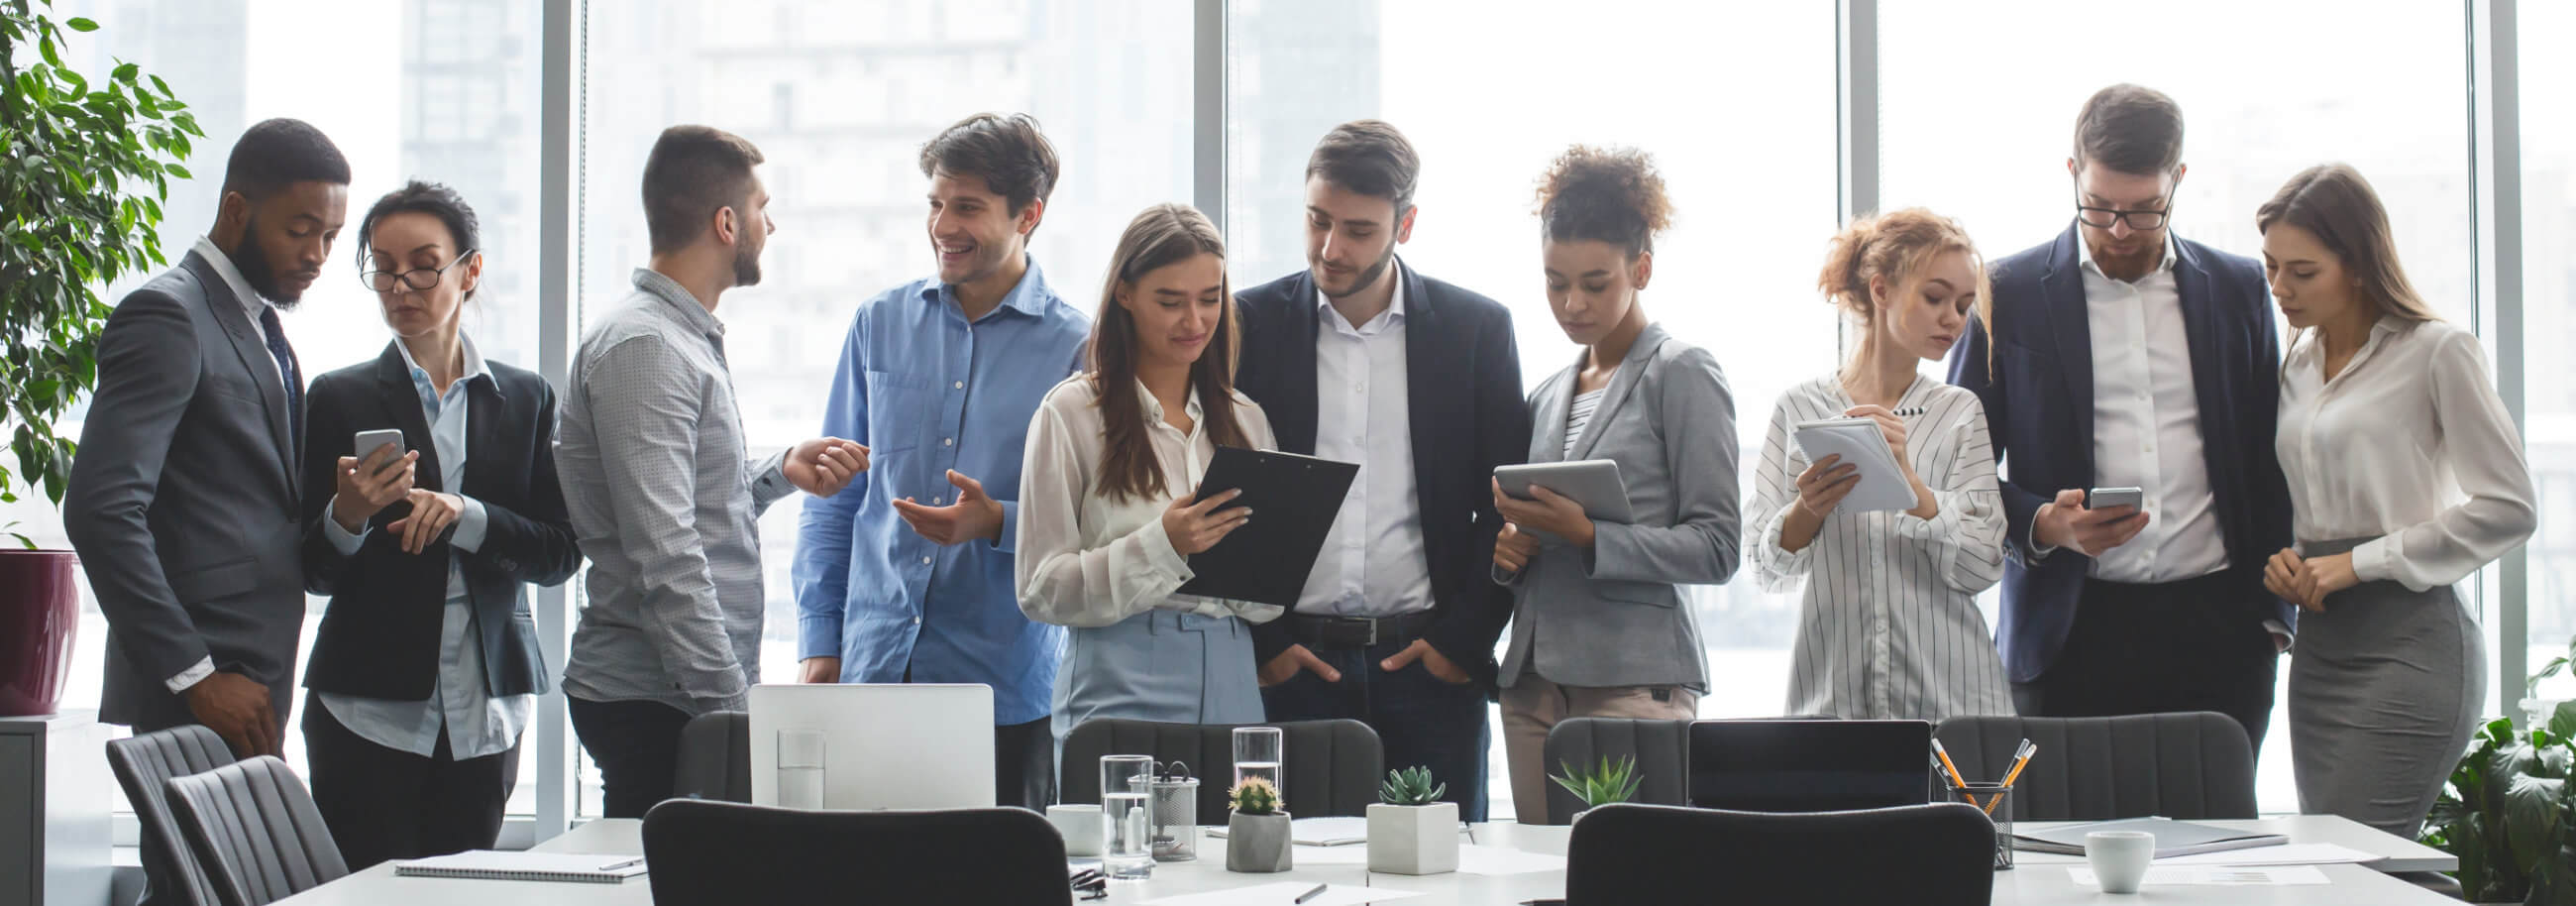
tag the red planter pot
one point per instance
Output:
(39, 616)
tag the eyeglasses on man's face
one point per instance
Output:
(2103, 218)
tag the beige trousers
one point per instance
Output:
(1533, 706)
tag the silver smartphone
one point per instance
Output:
(369, 441)
(2105, 498)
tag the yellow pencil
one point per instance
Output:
(1955, 779)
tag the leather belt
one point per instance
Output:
(1321, 631)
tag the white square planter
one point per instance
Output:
(1413, 839)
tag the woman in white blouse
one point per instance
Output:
(1890, 626)
(1114, 456)
(2406, 475)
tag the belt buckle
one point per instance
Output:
(1372, 632)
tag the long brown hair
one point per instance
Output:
(1162, 235)
(2333, 203)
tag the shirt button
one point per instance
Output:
(935, 501)
(961, 385)
(925, 561)
(948, 441)
(916, 621)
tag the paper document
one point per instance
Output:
(2286, 854)
(524, 866)
(1496, 860)
(1318, 831)
(1860, 442)
(2215, 876)
(1287, 892)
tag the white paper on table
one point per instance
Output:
(2215, 875)
(1284, 892)
(1498, 860)
(2287, 854)
(1318, 831)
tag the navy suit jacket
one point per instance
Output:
(1463, 383)
(2035, 377)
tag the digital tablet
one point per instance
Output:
(1594, 483)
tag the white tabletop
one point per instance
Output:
(2039, 877)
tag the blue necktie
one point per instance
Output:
(285, 356)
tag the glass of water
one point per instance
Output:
(1127, 816)
(1256, 754)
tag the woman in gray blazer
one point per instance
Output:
(1600, 627)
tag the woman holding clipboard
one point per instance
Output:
(1115, 456)
(2406, 475)
(1600, 626)
(1889, 627)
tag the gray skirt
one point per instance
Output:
(2385, 687)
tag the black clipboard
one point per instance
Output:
(1294, 500)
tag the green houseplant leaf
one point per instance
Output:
(1610, 782)
(2509, 811)
(80, 204)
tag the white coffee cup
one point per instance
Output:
(1080, 825)
(2119, 858)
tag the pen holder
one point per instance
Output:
(1996, 800)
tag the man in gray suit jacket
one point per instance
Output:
(183, 499)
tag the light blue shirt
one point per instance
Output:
(927, 392)
(476, 723)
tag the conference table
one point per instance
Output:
(2038, 878)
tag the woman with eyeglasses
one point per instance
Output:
(426, 668)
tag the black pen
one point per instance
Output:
(1311, 894)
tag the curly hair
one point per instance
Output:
(1611, 195)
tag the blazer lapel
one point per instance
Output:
(1622, 385)
(1428, 376)
(1298, 362)
(2062, 296)
(252, 347)
(486, 433)
(2209, 378)
(400, 402)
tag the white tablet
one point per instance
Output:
(1594, 483)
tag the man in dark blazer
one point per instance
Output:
(183, 499)
(2124, 356)
(1361, 359)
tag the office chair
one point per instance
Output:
(143, 765)
(1331, 768)
(703, 852)
(2185, 765)
(1661, 747)
(1642, 855)
(255, 829)
(715, 758)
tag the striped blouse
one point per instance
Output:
(1889, 627)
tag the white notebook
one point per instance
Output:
(491, 865)
(1318, 831)
(1860, 442)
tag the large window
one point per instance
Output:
(1751, 174)
(839, 98)
(1969, 131)
(2549, 330)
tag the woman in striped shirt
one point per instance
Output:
(1890, 626)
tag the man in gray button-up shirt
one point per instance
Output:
(663, 494)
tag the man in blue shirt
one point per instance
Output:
(906, 577)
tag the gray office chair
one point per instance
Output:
(715, 758)
(2186, 765)
(1643, 855)
(726, 852)
(143, 765)
(1333, 768)
(255, 829)
(1661, 747)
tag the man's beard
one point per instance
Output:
(1368, 277)
(746, 265)
(250, 259)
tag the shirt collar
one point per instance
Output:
(678, 297)
(2084, 256)
(1154, 407)
(475, 367)
(1394, 313)
(1030, 296)
(250, 299)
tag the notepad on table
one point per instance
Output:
(489, 865)
(1860, 442)
(2173, 838)
(1319, 831)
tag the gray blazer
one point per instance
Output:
(1615, 615)
(182, 500)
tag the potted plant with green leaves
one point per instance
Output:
(1607, 783)
(2509, 813)
(1410, 831)
(84, 166)
(1257, 837)
(2536, 708)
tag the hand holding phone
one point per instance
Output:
(2106, 498)
(374, 479)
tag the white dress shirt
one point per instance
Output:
(1089, 558)
(1372, 563)
(1889, 627)
(2146, 426)
(2409, 444)
(251, 302)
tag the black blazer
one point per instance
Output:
(1463, 381)
(380, 636)
(2036, 381)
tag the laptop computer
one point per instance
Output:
(891, 746)
(1809, 765)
